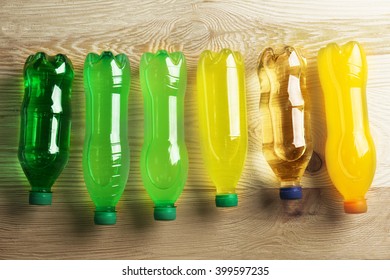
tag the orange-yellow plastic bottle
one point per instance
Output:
(350, 151)
(222, 120)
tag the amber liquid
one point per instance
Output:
(284, 104)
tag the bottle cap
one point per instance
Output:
(165, 213)
(226, 200)
(355, 206)
(105, 218)
(40, 198)
(293, 192)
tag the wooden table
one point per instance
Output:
(261, 227)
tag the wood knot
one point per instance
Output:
(315, 163)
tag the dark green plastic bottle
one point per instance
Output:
(45, 122)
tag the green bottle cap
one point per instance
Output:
(105, 218)
(226, 200)
(40, 198)
(165, 213)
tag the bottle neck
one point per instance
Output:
(292, 183)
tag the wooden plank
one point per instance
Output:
(259, 228)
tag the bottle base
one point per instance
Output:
(226, 200)
(355, 206)
(40, 198)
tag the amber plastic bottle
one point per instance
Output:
(284, 109)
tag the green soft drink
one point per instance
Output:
(164, 160)
(106, 158)
(45, 122)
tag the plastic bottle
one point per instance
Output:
(285, 117)
(106, 157)
(164, 160)
(350, 151)
(45, 122)
(222, 120)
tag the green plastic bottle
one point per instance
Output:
(106, 158)
(164, 159)
(45, 122)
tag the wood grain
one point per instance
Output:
(261, 227)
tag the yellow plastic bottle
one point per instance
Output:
(350, 151)
(222, 120)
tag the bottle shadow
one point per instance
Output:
(316, 171)
(136, 202)
(73, 191)
(199, 187)
(15, 196)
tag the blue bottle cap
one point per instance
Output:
(293, 192)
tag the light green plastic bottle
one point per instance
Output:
(106, 158)
(164, 159)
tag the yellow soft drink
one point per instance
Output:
(222, 120)
(350, 151)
